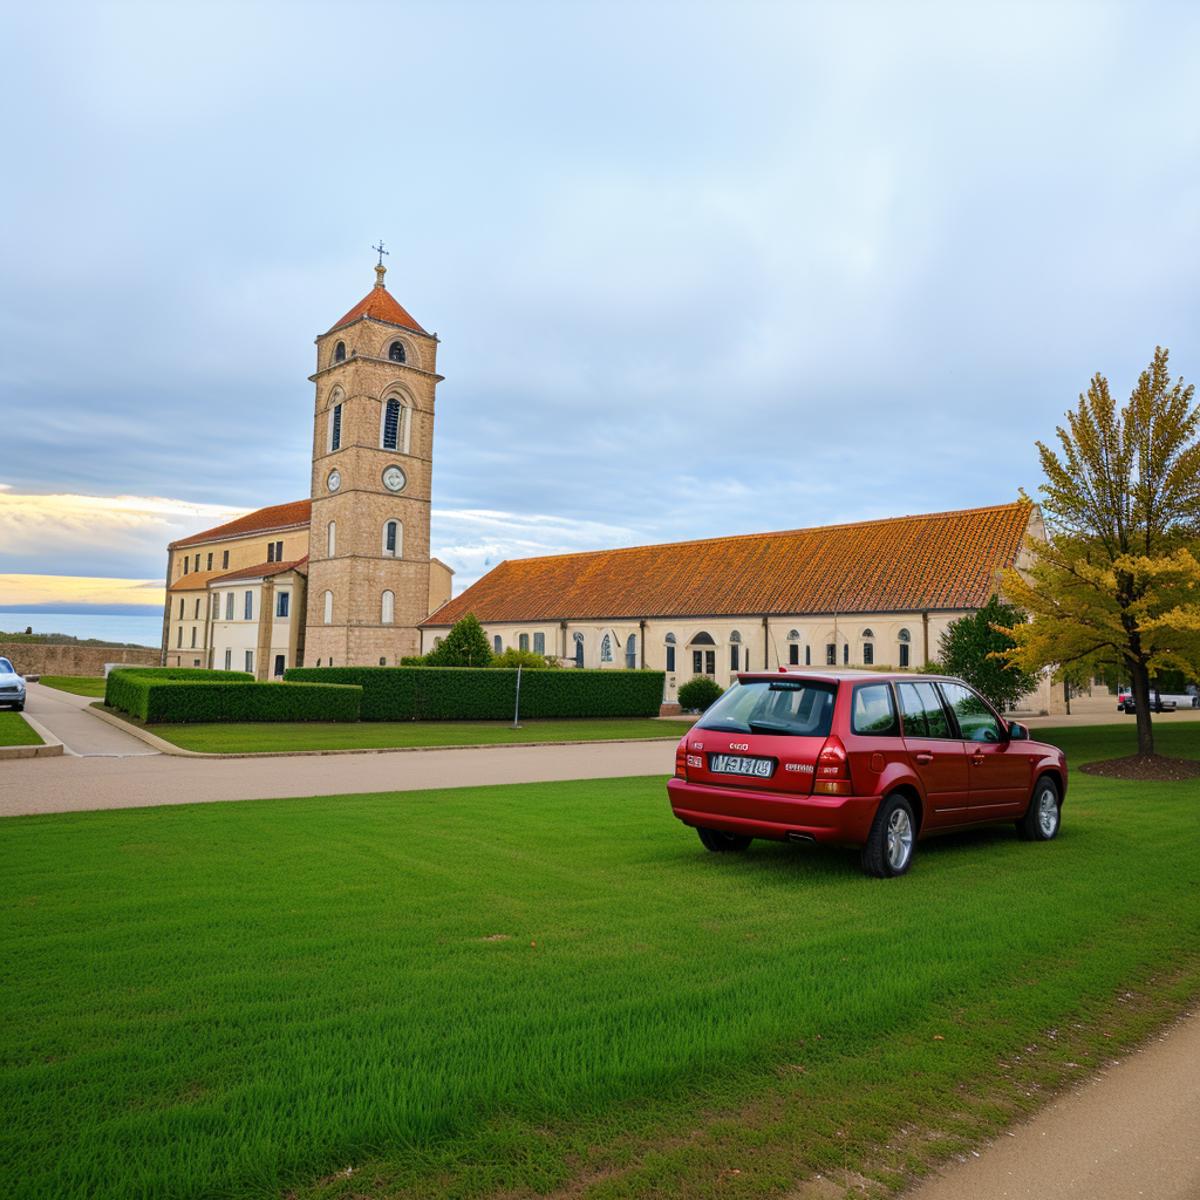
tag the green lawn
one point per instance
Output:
(15, 731)
(242, 738)
(81, 685)
(514, 989)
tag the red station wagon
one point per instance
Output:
(860, 758)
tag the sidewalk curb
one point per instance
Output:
(165, 747)
(51, 747)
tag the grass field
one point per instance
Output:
(243, 738)
(80, 685)
(515, 989)
(15, 730)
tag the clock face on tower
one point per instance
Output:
(394, 479)
(334, 481)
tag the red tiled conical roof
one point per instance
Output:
(380, 305)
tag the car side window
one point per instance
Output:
(922, 711)
(976, 721)
(873, 711)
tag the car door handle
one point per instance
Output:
(924, 758)
(977, 759)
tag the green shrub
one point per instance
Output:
(121, 687)
(466, 645)
(699, 693)
(488, 694)
(529, 659)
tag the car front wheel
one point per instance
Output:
(718, 841)
(1044, 814)
(892, 840)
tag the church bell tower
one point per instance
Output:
(369, 561)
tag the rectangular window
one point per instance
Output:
(181, 608)
(195, 662)
(193, 637)
(279, 662)
(335, 428)
(539, 643)
(523, 642)
(282, 600)
(697, 662)
(270, 552)
(873, 711)
(868, 654)
(229, 606)
(224, 560)
(830, 654)
(197, 616)
(794, 654)
(922, 711)
(216, 606)
(808, 656)
(391, 425)
(229, 660)
(670, 658)
(846, 654)
(186, 561)
(179, 636)
(248, 607)
(279, 552)
(710, 662)
(197, 566)
(249, 660)
(208, 565)
(733, 656)
(904, 654)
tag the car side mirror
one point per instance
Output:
(1017, 732)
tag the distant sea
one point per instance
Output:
(139, 629)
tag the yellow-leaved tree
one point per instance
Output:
(1117, 583)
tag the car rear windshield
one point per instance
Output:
(790, 707)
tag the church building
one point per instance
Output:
(346, 578)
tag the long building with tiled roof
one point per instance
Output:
(869, 593)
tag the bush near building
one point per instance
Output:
(181, 696)
(489, 694)
(699, 693)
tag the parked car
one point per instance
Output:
(861, 758)
(12, 686)
(1158, 703)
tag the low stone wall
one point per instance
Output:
(68, 658)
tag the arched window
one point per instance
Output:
(390, 438)
(631, 651)
(579, 649)
(703, 639)
(331, 539)
(905, 647)
(396, 352)
(704, 662)
(388, 615)
(393, 540)
(606, 648)
(523, 641)
(497, 645)
(328, 608)
(670, 641)
(335, 428)
(339, 352)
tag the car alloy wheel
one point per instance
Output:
(1047, 810)
(899, 839)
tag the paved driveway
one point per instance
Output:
(67, 717)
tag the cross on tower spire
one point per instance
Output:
(380, 270)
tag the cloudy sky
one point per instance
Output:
(697, 268)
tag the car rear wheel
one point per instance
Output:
(1044, 814)
(718, 841)
(892, 840)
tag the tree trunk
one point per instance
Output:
(1140, 682)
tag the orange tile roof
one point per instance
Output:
(261, 570)
(277, 516)
(194, 581)
(904, 564)
(380, 305)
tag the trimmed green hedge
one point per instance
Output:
(487, 693)
(182, 695)
(121, 688)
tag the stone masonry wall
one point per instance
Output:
(67, 658)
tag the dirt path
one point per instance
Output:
(1132, 1130)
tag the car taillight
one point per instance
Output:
(832, 776)
(681, 760)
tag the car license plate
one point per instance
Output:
(738, 764)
